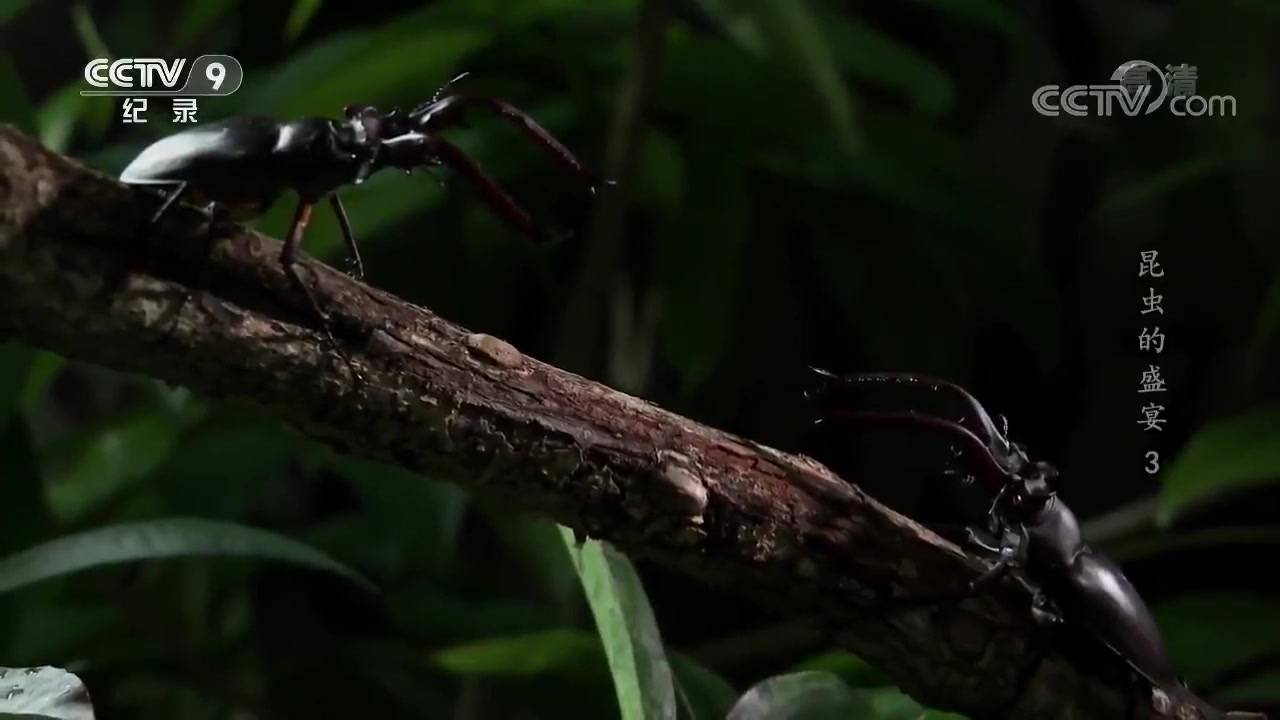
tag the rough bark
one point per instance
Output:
(80, 277)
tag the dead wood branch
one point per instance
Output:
(79, 277)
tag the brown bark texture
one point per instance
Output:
(82, 276)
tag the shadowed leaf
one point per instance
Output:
(157, 540)
(810, 695)
(43, 692)
(1212, 633)
(531, 654)
(1264, 330)
(1226, 456)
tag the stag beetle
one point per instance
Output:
(239, 166)
(1038, 533)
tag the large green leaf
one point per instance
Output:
(990, 14)
(522, 655)
(221, 470)
(1129, 550)
(788, 32)
(815, 695)
(157, 540)
(1226, 456)
(1264, 330)
(48, 693)
(15, 106)
(564, 650)
(1211, 633)
(854, 671)
(23, 513)
(879, 58)
(10, 9)
(299, 17)
(410, 522)
(197, 18)
(809, 695)
(700, 260)
(425, 610)
(709, 696)
(637, 660)
(403, 61)
(534, 543)
(93, 465)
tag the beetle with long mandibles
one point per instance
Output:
(238, 167)
(1039, 534)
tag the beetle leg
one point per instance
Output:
(499, 201)
(288, 262)
(169, 200)
(348, 237)
(1011, 551)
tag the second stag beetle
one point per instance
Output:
(238, 167)
(1039, 534)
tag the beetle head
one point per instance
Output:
(1030, 491)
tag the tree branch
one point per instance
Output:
(79, 276)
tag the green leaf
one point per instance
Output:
(1226, 456)
(423, 609)
(1178, 175)
(985, 13)
(221, 470)
(15, 367)
(410, 521)
(1266, 8)
(809, 695)
(710, 696)
(522, 655)
(10, 9)
(535, 543)
(1268, 322)
(299, 17)
(877, 57)
(161, 539)
(793, 35)
(95, 465)
(15, 106)
(1211, 633)
(87, 31)
(199, 14)
(23, 514)
(24, 375)
(43, 692)
(700, 261)
(1139, 548)
(893, 704)
(660, 173)
(393, 63)
(59, 628)
(853, 670)
(641, 674)
(1257, 690)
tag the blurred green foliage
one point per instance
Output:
(817, 182)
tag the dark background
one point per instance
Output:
(868, 190)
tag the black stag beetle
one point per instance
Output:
(1039, 534)
(238, 167)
